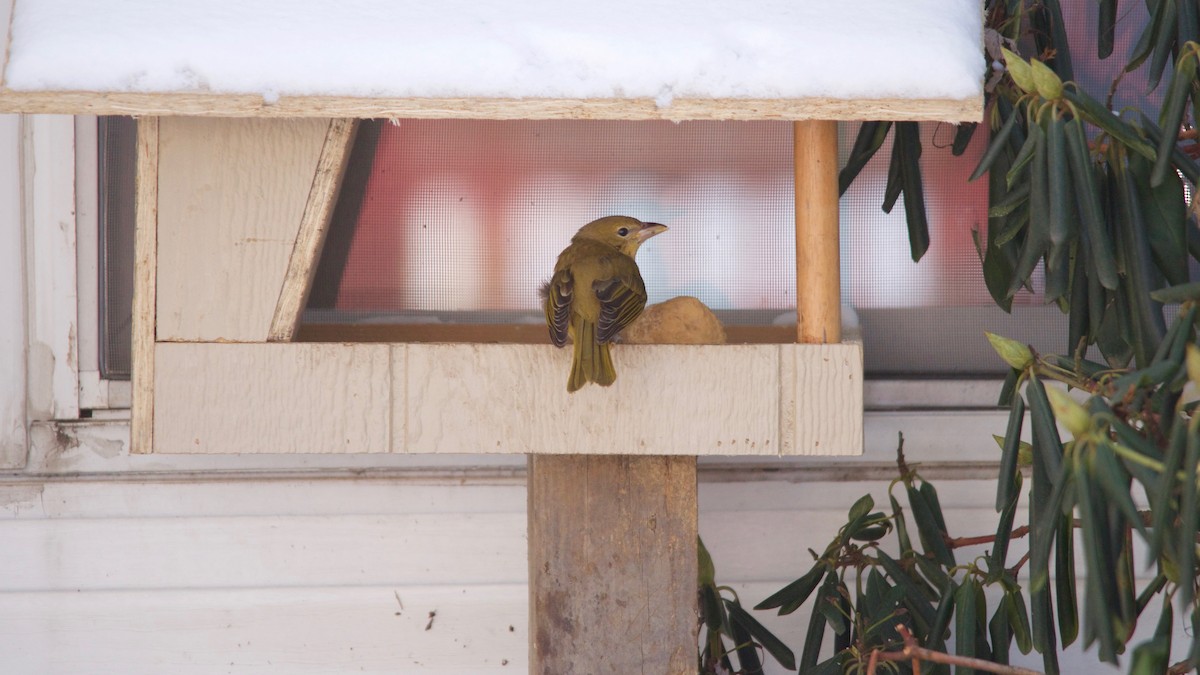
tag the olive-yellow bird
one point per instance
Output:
(596, 291)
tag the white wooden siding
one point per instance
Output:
(318, 575)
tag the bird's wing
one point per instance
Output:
(558, 292)
(622, 298)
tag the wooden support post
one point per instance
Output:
(612, 564)
(612, 543)
(818, 275)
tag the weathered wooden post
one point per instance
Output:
(612, 545)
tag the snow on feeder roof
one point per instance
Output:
(622, 59)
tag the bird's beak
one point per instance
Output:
(649, 230)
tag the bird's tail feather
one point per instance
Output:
(592, 362)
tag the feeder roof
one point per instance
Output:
(675, 59)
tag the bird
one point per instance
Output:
(595, 291)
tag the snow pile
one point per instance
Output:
(662, 49)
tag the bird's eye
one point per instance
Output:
(624, 231)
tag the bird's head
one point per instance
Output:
(621, 232)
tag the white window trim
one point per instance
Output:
(96, 393)
(13, 441)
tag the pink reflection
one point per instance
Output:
(470, 215)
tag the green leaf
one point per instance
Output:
(1000, 630)
(790, 597)
(1164, 43)
(1171, 114)
(965, 611)
(747, 651)
(1037, 237)
(1058, 175)
(1186, 165)
(1088, 194)
(1189, 517)
(1024, 156)
(941, 618)
(1114, 483)
(1059, 43)
(1177, 294)
(930, 524)
(814, 636)
(996, 147)
(831, 666)
(909, 138)
(901, 526)
(708, 573)
(895, 177)
(1164, 212)
(868, 141)
(1009, 388)
(1018, 620)
(1064, 583)
(774, 646)
(1152, 657)
(1016, 198)
(1006, 483)
(710, 606)
(1149, 37)
(861, 507)
(1096, 113)
(916, 597)
(1146, 320)
(962, 138)
(1101, 555)
(999, 552)
(1106, 32)
(1078, 322)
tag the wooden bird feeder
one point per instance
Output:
(215, 368)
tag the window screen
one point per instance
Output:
(117, 140)
(450, 220)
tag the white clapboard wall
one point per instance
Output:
(117, 563)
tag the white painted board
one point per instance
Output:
(231, 195)
(506, 398)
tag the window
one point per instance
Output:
(425, 199)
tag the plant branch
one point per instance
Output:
(913, 651)
(959, 542)
(1180, 668)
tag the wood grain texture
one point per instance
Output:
(271, 397)
(249, 105)
(231, 199)
(145, 244)
(314, 225)
(824, 413)
(667, 400)
(612, 559)
(818, 273)
(507, 399)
